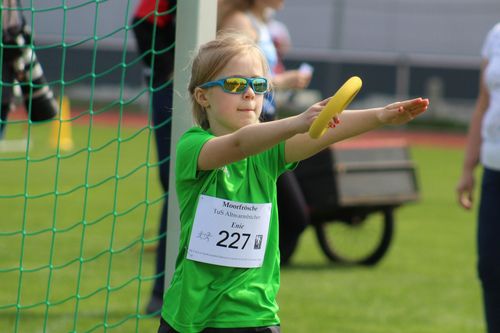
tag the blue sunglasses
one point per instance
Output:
(238, 85)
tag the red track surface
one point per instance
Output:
(411, 137)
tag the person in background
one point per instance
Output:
(227, 272)
(252, 18)
(483, 146)
(281, 40)
(21, 68)
(155, 20)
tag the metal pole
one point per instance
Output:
(195, 25)
(338, 24)
(403, 74)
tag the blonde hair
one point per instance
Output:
(211, 59)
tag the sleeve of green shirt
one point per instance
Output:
(276, 157)
(188, 150)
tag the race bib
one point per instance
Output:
(229, 233)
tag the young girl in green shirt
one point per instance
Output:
(227, 271)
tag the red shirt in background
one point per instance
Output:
(146, 8)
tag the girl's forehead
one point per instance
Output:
(247, 64)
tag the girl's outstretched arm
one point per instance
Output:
(253, 139)
(352, 123)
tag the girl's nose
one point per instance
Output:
(249, 93)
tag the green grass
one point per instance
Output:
(426, 283)
(86, 240)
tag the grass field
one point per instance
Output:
(425, 284)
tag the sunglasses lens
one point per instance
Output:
(260, 85)
(235, 84)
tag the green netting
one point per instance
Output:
(78, 219)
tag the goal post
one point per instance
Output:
(198, 27)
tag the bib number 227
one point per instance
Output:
(234, 240)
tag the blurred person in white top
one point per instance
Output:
(483, 147)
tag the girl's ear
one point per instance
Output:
(200, 95)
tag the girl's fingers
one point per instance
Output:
(413, 103)
(416, 108)
(334, 122)
(325, 101)
(406, 103)
(405, 111)
(402, 111)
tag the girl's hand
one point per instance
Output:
(306, 118)
(402, 112)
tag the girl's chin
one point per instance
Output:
(248, 122)
(253, 121)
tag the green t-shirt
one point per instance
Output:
(204, 295)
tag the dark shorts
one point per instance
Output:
(166, 328)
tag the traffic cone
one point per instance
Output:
(61, 128)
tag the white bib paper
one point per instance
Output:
(229, 233)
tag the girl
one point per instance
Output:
(227, 271)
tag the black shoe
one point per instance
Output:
(154, 305)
